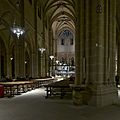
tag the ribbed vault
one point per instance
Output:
(60, 14)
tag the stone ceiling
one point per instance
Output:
(61, 14)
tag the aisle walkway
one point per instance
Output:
(33, 106)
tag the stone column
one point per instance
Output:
(79, 53)
(0, 59)
(87, 42)
(49, 52)
(50, 42)
(79, 43)
(10, 68)
(30, 75)
(19, 58)
(9, 75)
(113, 41)
(35, 55)
(43, 65)
(97, 52)
(39, 63)
(20, 47)
(99, 55)
(43, 62)
(118, 57)
(106, 44)
(34, 65)
(101, 93)
(47, 64)
(99, 41)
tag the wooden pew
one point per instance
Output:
(42, 81)
(60, 88)
(12, 88)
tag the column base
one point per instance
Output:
(78, 91)
(102, 95)
(98, 96)
(77, 98)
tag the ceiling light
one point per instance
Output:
(17, 30)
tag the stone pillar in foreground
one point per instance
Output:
(95, 64)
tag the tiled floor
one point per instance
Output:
(34, 106)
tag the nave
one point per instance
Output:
(33, 106)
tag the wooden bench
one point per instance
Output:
(60, 88)
(16, 87)
(44, 81)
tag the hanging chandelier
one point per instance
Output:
(17, 30)
(51, 57)
(41, 50)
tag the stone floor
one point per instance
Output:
(33, 106)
